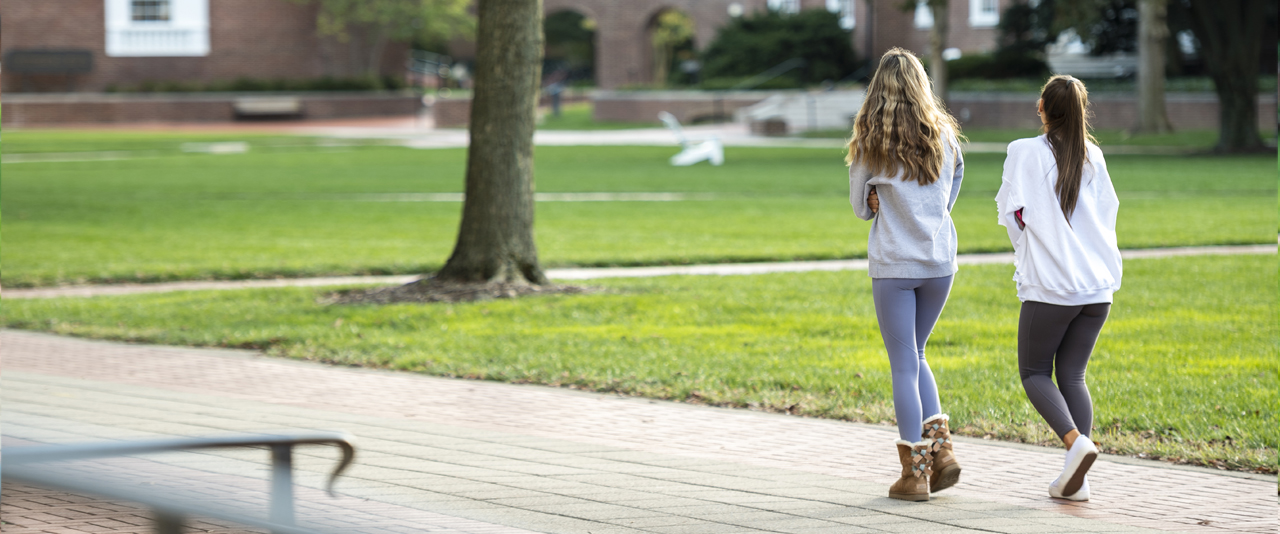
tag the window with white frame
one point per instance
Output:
(924, 15)
(154, 10)
(157, 28)
(984, 13)
(845, 9)
(785, 6)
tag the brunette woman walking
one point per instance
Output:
(905, 170)
(1059, 206)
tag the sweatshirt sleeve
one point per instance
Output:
(858, 191)
(957, 177)
(1108, 210)
(1108, 200)
(1017, 165)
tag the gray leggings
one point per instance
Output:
(1063, 336)
(907, 309)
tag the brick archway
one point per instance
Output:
(622, 31)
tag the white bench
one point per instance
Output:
(258, 106)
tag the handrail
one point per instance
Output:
(756, 81)
(773, 72)
(169, 511)
(23, 466)
(857, 74)
(82, 451)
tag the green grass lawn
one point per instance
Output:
(293, 209)
(1185, 368)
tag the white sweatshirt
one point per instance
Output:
(1056, 262)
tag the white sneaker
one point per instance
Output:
(1080, 495)
(1079, 459)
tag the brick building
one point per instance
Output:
(623, 53)
(92, 45)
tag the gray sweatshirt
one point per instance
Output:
(912, 235)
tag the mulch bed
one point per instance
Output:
(432, 290)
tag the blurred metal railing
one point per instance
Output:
(28, 465)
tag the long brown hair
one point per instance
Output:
(901, 123)
(1066, 126)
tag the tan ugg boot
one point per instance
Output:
(946, 470)
(914, 482)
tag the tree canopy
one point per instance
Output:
(671, 30)
(1107, 26)
(371, 24)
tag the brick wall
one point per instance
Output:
(894, 27)
(82, 108)
(623, 54)
(264, 39)
(451, 112)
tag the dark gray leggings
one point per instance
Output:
(907, 309)
(1059, 336)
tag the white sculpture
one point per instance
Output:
(711, 150)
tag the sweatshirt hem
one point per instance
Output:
(1063, 298)
(911, 270)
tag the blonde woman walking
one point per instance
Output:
(905, 170)
(1059, 206)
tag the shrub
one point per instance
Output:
(1000, 65)
(755, 43)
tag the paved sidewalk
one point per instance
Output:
(722, 269)
(464, 456)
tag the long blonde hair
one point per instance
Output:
(901, 124)
(1066, 126)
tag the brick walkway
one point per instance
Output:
(458, 456)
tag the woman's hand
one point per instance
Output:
(873, 200)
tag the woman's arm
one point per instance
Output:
(1009, 202)
(859, 190)
(957, 177)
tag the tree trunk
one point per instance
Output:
(1153, 33)
(1230, 34)
(938, 43)
(495, 240)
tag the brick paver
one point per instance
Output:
(548, 460)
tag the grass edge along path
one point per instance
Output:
(1181, 371)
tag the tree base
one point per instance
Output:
(435, 290)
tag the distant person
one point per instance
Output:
(905, 170)
(1057, 202)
